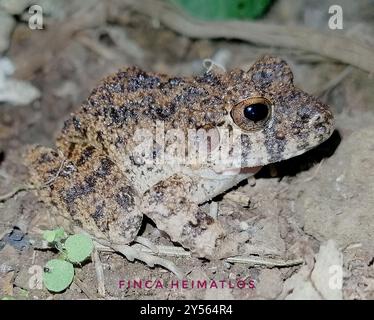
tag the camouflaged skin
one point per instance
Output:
(103, 188)
(89, 189)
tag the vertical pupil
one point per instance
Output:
(256, 112)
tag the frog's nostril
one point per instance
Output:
(320, 128)
(315, 120)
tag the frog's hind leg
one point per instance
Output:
(90, 190)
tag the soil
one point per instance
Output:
(316, 209)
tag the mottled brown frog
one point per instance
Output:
(135, 148)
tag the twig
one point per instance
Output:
(249, 260)
(334, 82)
(52, 179)
(147, 243)
(332, 44)
(239, 198)
(168, 251)
(258, 261)
(99, 273)
(97, 48)
(33, 257)
(12, 193)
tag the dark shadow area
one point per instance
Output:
(2, 157)
(16, 238)
(146, 221)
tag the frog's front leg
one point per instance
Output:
(170, 206)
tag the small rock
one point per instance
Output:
(6, 67)
(243, 226)
(238, 197)
(329, 267)
(17, 239)
(22, 279)
(17, 92)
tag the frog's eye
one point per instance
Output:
(252, 113)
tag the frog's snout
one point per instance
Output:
(322, 125)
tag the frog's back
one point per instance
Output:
(132, 99)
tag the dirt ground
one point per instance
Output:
(303, 221)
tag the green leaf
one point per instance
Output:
(49, 235)
(60, 234)
(7, 298)
(58, 275)
(54, 235)
(78, 247)
(224, 9)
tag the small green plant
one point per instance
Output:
(75, 249)
(54, 236)
(224, 9)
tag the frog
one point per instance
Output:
(115, 160)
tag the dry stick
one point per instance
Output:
(10, 194)
(99, 273)
(331, 44)
(147, 243)
(248, 260)
(258, 261)
(97, 47)
(334, 82)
